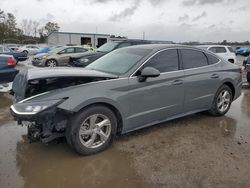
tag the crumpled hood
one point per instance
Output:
(64, 72)
(22, 79)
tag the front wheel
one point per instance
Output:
(92, 130)
(51, 63)
(222, 101)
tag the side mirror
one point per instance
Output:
(148, 72)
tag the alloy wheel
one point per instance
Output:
(223, 101)
(51, 63)
(95, 130)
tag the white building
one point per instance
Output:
(67, 38)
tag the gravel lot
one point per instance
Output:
(195, 151)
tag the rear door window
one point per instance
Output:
(193, 58)
(212, 59)
(165, 61)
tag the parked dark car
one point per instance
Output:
(85, 59)
(125, 90)
(7, 70)
(19, 56)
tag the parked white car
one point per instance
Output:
(29, 49)
(225, 52)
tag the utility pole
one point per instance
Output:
(143, 35)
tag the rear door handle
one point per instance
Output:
(177, 82)
(214, 76)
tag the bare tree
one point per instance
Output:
(50, 27)
(35, 27)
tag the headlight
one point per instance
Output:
(43, 57)
(31, 108)
(85, 60)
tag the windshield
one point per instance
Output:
(107, 47)
(119, 61)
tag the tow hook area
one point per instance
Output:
(46, 127)
(34, 133)
(39, 133)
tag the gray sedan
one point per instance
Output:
(125, 90)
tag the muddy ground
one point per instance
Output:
(195, 151)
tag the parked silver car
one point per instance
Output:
(58, 56)
(29, 49)
(125, 90)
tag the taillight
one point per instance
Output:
(11, 61)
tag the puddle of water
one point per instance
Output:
(55, 165)
(240, 112)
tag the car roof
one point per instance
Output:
(157, 47)
(130, 40)
(213, 45)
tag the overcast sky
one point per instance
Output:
(176, 20)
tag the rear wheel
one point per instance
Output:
(25, 51)
(222, 101)
(51, 63)
(92, 130)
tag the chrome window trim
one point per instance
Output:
(177, 48)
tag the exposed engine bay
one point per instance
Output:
(37, 86)
(51, 123)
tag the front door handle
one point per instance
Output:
(177, 82)
(214, 76)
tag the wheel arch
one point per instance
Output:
(231, 86)
(109, 104)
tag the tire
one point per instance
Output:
(25, 51)
(84, 137)
(51, 63)
(220, 108)
(248, 77)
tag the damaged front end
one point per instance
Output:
(33, 107)
(44, 121)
